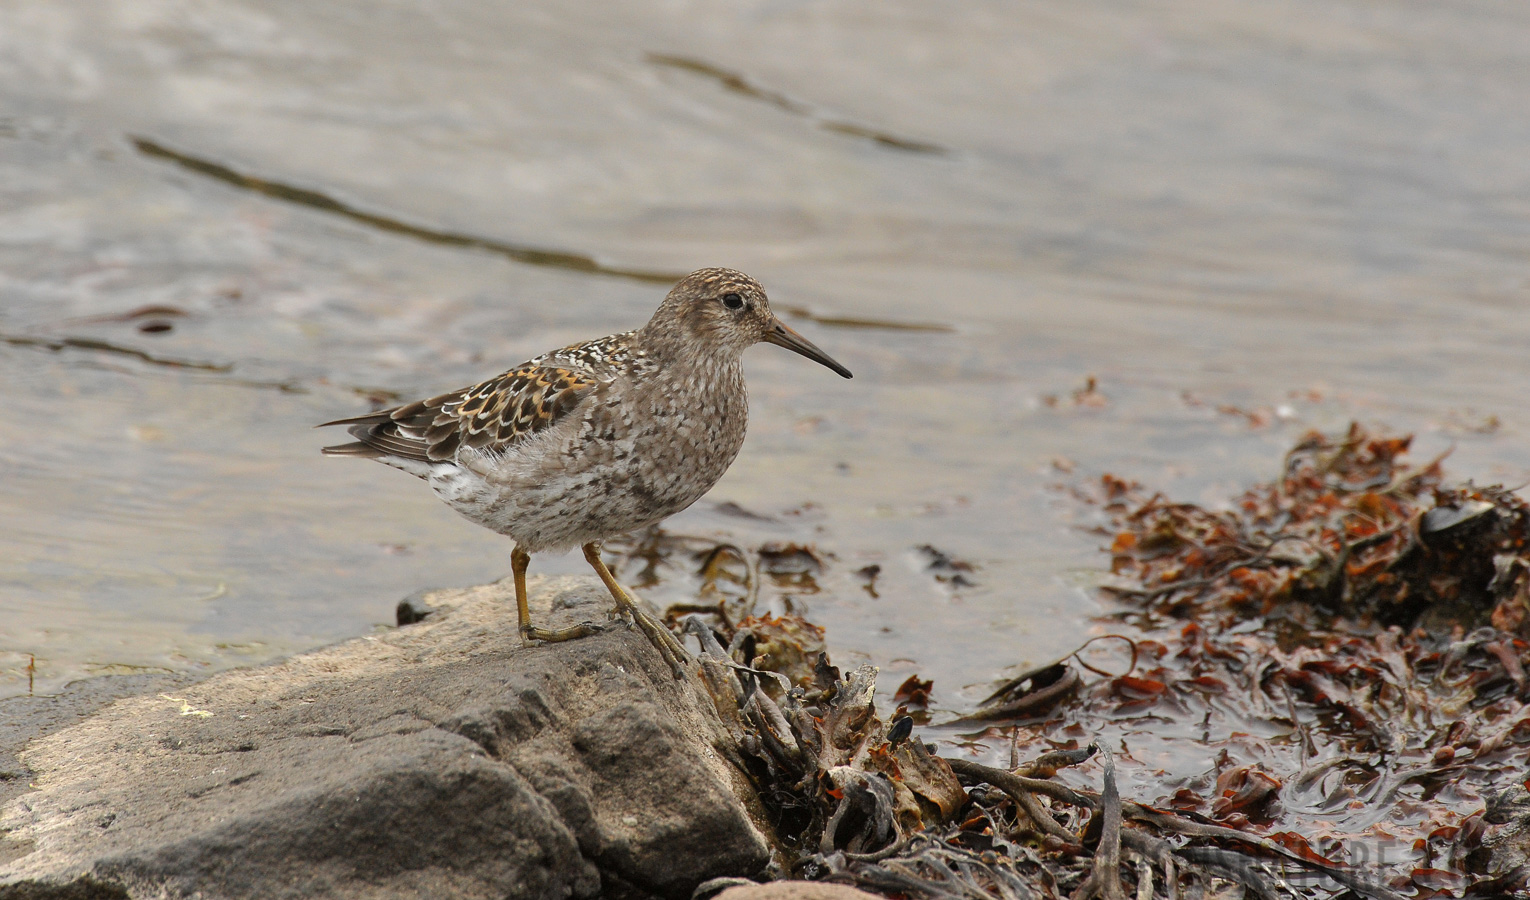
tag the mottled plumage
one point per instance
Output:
(490, 416)
(599, 438)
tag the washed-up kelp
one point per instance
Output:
(855, 801)
(1396, 761)
(1336, 664)
(1347, 531)
(1319, 692)
(834, 775)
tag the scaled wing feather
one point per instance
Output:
(491, 416)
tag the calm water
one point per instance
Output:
(1309, 211)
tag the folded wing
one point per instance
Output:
(492, 416)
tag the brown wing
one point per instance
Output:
(492, 416)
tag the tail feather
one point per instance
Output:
(372, 418)
(357, 449)
(378, 436)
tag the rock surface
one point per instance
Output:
(25, 719)
(795, 890)
(441, 759)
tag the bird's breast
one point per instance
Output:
(687, 429)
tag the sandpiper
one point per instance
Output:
(594, 440)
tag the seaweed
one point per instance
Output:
(1324, 696)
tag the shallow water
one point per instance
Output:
(1310, 213)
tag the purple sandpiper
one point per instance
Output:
(594, 440)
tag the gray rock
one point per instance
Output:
(796, 890)
(25, 719)
(443, 759)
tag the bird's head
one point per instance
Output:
(724, 308)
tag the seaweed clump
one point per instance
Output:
(1335, 663)
(1325, 698)
(1346, 532)
(858, 801)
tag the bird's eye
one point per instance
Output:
(733, 300)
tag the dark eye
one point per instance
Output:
(733, 300)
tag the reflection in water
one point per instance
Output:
(741, 85)
(75, 343)
(803, 312)
(531, 256)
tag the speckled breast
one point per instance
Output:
(684, 434)
(640, 453)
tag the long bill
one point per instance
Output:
(782, 336)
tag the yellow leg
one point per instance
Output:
(669, 648)
(519, 560)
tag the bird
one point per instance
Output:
(595, 440)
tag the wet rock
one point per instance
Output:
(441, 759)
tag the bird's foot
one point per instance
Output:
(558, 635)
(662, 638)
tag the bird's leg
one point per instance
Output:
(519, 560)
(669, 648)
